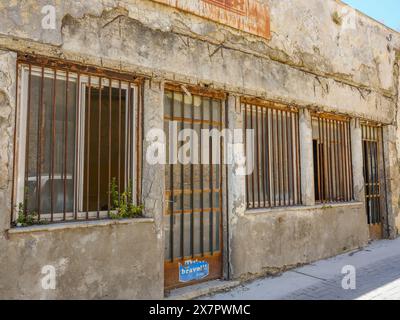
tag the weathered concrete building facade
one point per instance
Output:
(79, 102)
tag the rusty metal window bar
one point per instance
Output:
(373, 171)
(275, 178)
(333, 172)
(77, 134)
(193, 190)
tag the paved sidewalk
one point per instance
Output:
(377, 277)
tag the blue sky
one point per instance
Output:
(385, 11)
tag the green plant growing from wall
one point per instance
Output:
(26, 219)
(122, 204)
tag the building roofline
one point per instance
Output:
(367, 16)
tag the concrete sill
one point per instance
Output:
(201, 290)
(326, 206)
(78, 225)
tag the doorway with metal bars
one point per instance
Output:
(374, 179)
(193, 210)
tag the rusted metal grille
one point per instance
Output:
(333, 176)
(194, 189)
(372, 156)
(77, 134)
(275, 179)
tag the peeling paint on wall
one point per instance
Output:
(251, 16)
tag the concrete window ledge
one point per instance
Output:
(326, 206)
(78, 225)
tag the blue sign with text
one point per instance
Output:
(193, 270)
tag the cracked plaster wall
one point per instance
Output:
(310, 61)
(306, 61)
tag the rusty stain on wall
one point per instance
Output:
(251, 16)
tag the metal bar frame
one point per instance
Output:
(52, 69)
(281, 140)
(211, 185)
(372, 146)
(334, 159)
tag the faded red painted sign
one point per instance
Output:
(251, 16)
(238, 6)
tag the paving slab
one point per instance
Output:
(377, 268)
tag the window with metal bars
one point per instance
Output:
(77, 137)
(275, 178)
(333, 173)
